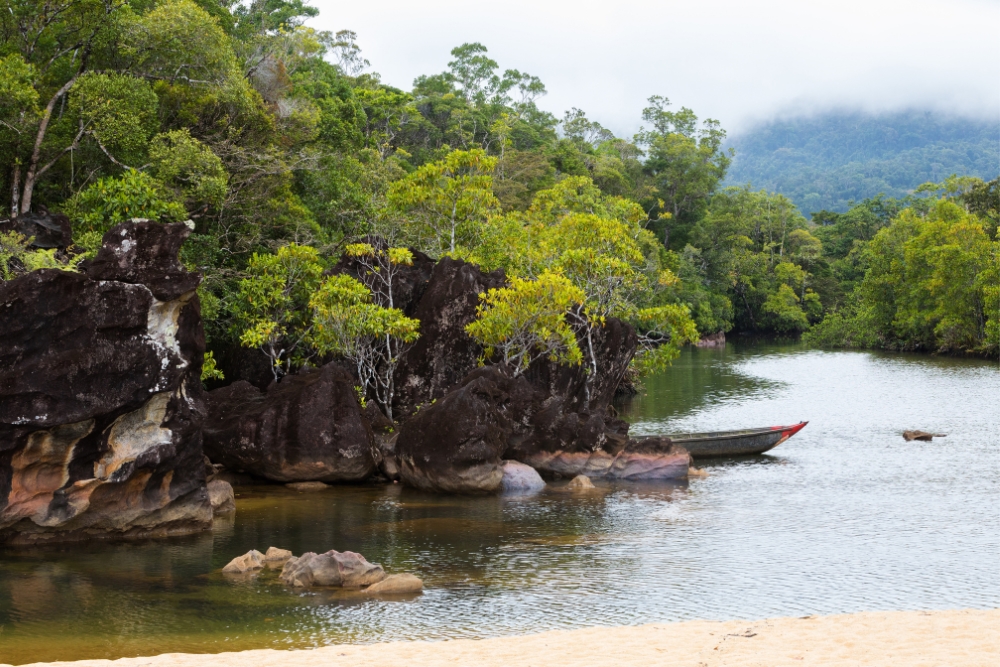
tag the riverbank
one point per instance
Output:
(962, 638)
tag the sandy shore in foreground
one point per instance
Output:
(871, 639)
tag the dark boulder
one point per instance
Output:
(100, 396)
(456, 445)
(444, 354)
(47, 230)
(309, 426)
(568, 413)
(145, 252)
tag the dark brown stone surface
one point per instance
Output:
(306, 427)
(100, 397)
(456, 445)
(48, 230)
(444, 354)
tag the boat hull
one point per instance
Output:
(734, 443)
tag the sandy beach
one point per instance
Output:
(962, 638)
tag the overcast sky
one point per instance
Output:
(735, 60)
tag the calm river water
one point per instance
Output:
(846, 516)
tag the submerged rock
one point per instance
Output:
(308, 427)
(220, 494)
(643, 459)
(100, 395)
(248, 562)
(396, 584)
(307, 486)
(716, 340)
(923, 436)
(580, 483)
(520, 478)
(333, 568)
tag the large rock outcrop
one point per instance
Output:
(456, 445)
(444, 354)
(569, 407)
(551, 418)
(100, 395)
(307, 427)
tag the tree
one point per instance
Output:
(349, 324)
(272, 309)
(445, 204)
(932, 283)
(528, 321)
(685, 162)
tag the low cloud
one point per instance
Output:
(737, 61)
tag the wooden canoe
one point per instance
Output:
(735, 443)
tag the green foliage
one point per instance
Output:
(528, 321)
(446, 203)
(272, 309)
(17, 257)
(350, 324)
(115, 199)
(209, 371)
(931, 283)
(830, 161)
(189, 169)
(119, 112)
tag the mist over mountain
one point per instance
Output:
(827, 160)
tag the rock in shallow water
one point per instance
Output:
(248, 562)
(307, 486)
(580, 483)
(276, 555)
(100, 395)
(307, 427)
(396, 584)
(220, 494)
(333, 568)
(520, 478)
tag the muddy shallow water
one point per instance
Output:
(846, 516)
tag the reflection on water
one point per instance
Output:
(843, 517)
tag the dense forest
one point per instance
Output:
(287, 154)
(829, 160)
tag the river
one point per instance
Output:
(845, 516)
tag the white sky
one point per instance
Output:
(734, 60)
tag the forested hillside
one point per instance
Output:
(827, 160)
(288, 155)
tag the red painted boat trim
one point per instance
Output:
(789, 431)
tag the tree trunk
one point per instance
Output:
(15, 191)
(36, 153)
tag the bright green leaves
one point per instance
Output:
(662, 330)
(290, 311)
(18, 97)
(209, 370)
(118, 111)
(346, 319)
(528, 321)
(349, 323)
(446, 204)
(272, 309)
(178, 41)
(115, 199)
(17, 257)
